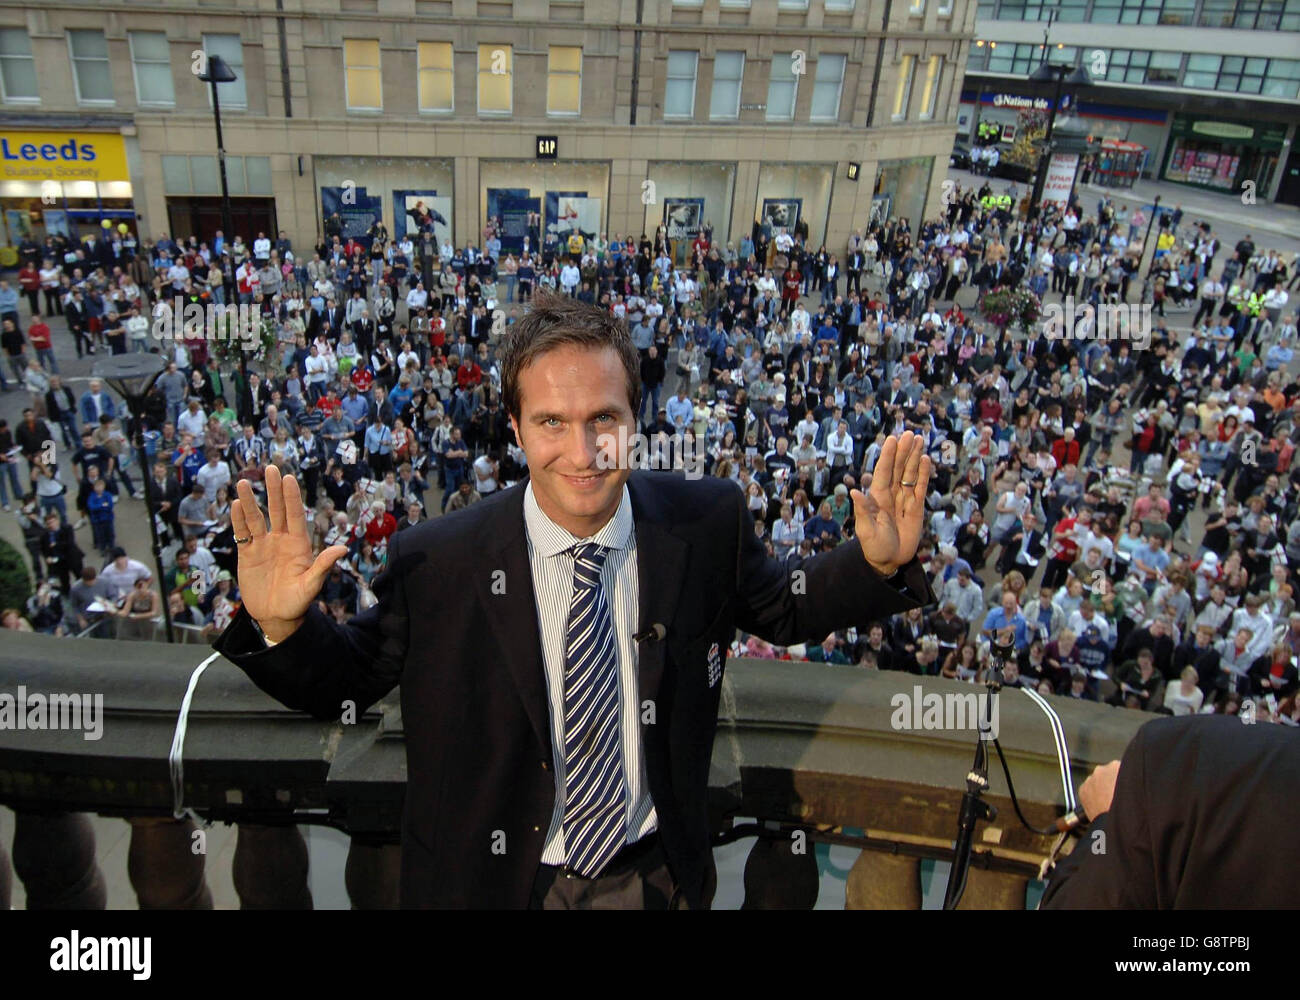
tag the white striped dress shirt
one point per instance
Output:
(551, 561)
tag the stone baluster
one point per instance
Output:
(166, 864)
(54, 856)
(372, 874)
(6, 880)
(781, 874)
(881, 881)
(270, 868)
(990, 890)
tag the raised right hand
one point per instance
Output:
(278, 577)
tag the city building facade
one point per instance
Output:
(1206, 88)
(615, 114)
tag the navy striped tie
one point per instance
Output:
(595, 817)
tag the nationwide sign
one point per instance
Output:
(1015, 101)
(62, 156)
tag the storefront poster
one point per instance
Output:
(880, 206)
(569, 211)
(56, 222)
(19, 224)
(418, 211)
(355, 207)
(782, 213)
(684, 217)
(510, 209)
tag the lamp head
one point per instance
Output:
(130, 375)
(218, 71)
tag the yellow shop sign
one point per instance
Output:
(62, 156)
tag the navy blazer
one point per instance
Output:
(473, 685)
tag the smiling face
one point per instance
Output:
(573, 401)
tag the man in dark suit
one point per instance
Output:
(1200, 814)
(253, 398)
(560, 705)
(1025, 549)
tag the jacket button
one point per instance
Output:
(537, 829)
(546, 765)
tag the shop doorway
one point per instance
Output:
(1288, 192)
(201, 217)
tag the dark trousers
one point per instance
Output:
(636, 879)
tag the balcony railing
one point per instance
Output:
(800, 747)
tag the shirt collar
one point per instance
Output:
(549, 539)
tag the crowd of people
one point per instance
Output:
(1125, 507)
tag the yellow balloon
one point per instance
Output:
(106, 224)
(123, 228)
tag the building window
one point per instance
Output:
(945, 8)
(1240, 75)
(828, 85)
(904, 92)
(90, 66)
(1178, 12)
(679, 92)
(1164, 67)
(930, 91)
(728, 76)
(362, 80)
(782, 88)
(198, 175)
(151, 59)
(564, 80)
(917, 8)
(229, 47)
(1265, 15)
(740, 4)
(688, 3)
(1202, 71)
(434, 62)
(1282, 79)
(495, 79)
(17, 67)
(1217, 13)
(1034, 10)
(791, 4)
(842, 6)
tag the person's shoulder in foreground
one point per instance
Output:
(1204, 815)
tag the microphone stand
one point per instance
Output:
(973, 806)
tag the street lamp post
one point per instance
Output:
(1075, 76)
(218, 71)
(132, 376)
(1155, 211)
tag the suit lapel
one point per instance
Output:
(661, 572)
(507, 544)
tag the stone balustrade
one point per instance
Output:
(804, 753)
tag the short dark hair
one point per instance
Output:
(554, 321)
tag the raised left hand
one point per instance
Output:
(888, 519)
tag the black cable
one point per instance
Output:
(1015, 802)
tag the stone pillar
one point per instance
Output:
(881, 881)
(372, 874)
(781, 874)
(166, 864)
(6, 880)
(989, 890)
(54, 856)
(270, 868)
